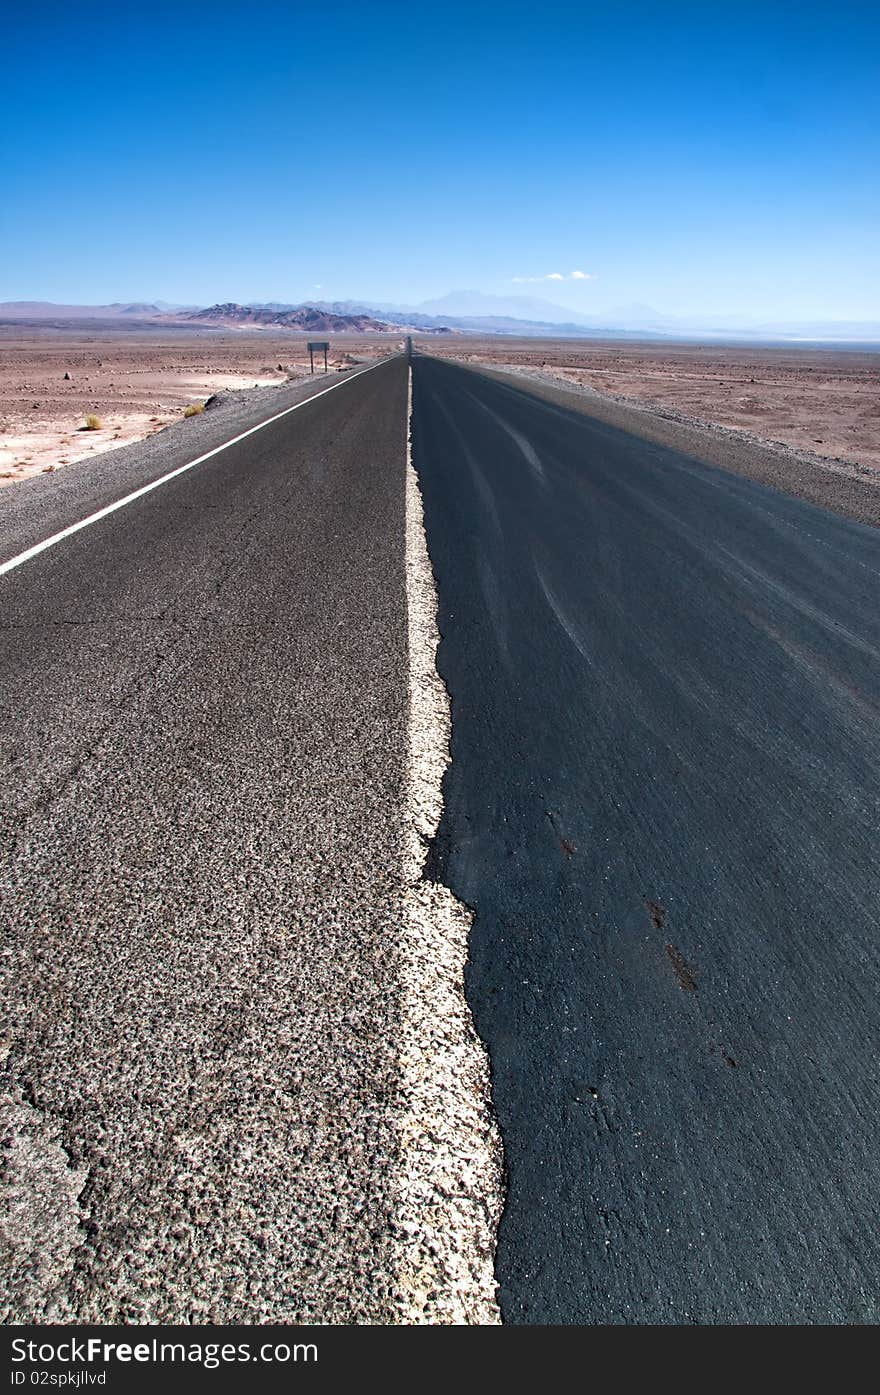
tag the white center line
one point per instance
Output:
(172, 474)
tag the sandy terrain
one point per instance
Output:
(136, 383)
(822, 401)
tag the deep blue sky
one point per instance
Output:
(693, 157)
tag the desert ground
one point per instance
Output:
(821, 401)
(134, 381)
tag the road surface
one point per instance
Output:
(204, 701)
(662, 810)
(663, 807)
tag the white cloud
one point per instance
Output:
(553, 276)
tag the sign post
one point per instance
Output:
(317, 345)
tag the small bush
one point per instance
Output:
(93, 423)
(195, 409)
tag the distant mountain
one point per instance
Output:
(476, 311)
(634, 316)
(45, 310)
(304, 317)
(465, 312)
(404, 319)
(543, 329)
(476, 305)
(422, 323)
(136, 310)
(634, 321)
(346, 307)
(853, 330)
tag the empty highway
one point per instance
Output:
(242, 1080)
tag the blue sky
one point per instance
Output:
(699, 159)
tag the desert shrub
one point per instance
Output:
(194, 409)
(93, 423)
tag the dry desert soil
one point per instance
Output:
(818, 407)
(134, 382)
(823, 401)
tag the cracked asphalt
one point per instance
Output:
(204, 703)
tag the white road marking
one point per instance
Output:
(449, 1186)
(172, 474)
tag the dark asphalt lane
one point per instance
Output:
(41, 505)
(204, 717)
(663, 806)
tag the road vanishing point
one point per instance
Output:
(440, 874)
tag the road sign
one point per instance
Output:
(316, 346)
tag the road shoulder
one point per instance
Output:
(850, 490)
(33, 508)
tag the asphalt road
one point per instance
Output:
(204, 701)
(663, 807)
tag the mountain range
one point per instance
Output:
(511, 314)
(465, 311)
(300, 317)
(47, 310)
